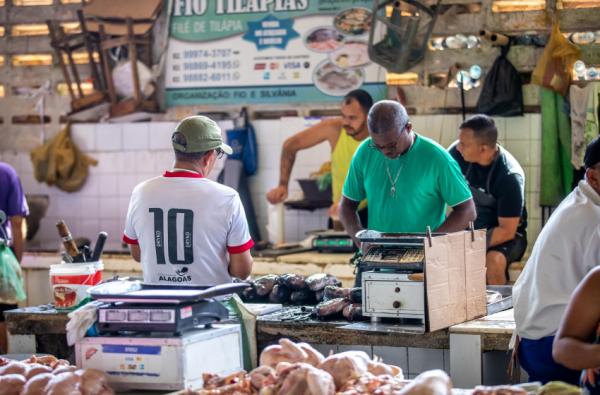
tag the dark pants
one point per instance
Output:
(513, 250)
(535, 357)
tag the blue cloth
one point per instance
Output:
(535, 357)
(12, 198)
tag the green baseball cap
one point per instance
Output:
(201, 133)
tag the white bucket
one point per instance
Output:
(70, 282)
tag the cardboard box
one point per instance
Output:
(455, 278)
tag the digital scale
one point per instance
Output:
(154, 337)
(333, 241)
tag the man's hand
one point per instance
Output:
(19, 231)
(277, 195)
(349, 217)
(333, 211)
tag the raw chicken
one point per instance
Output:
(36, 385)
(314, 356)
(11, 384)
(64, 384)
(262, 376)
(285, 351)
(379, 368)
(305, 379)
(288, 352)
(346, 366)
(431, 382)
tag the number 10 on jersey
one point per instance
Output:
(173, 237)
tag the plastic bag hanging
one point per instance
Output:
(554, 69)
(400, 31)
(12, 287)
(502, 92)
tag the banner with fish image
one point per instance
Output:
(269, 51)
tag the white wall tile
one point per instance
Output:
(517, 128)
(160, 135)
(126, 183)
(109, 137)
(30, 184)
(144, 161)
(109, 186)
(109, 208)
(89, 206)
(84, 136)
(111, 163)
(25, 164)
(136, 136)
(520, 149)
(92, 186)
(535, 126)
(163, 160)
(89, 227)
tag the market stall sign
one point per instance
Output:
(269, 51)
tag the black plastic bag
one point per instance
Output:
(502, 93)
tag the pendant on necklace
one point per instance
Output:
(393, 191)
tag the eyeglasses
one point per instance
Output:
(220, 153)
(389, 146)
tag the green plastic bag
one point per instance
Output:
(12, 289)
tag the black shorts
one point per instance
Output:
(4, 307)
(512, 250)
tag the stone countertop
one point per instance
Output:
(502, 322)
(112, 262)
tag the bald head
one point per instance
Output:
(387, 116)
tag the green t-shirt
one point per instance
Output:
(428, 178)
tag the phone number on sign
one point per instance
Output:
(203, 77)
(207, 53)
(206, 65)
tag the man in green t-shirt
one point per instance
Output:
(407, 179)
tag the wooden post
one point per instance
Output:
(57, 50)
(72, 64)
(98, 83)
(106, 68)
(137, 95)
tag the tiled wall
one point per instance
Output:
(130, 153)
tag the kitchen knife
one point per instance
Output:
(99, 246)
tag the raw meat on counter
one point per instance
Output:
(352, 294)
(331, 308)
(48, 375)
(264, 285)
(288, 351)
(319, 281)
(290, 288)
(290, 368)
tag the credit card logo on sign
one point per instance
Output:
(186, 312)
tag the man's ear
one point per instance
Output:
(593, 177)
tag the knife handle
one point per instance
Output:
(99, 246)
(67, 238)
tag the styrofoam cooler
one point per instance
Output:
(163, 363)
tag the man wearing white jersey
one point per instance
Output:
(184, 228)
(565, 251)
